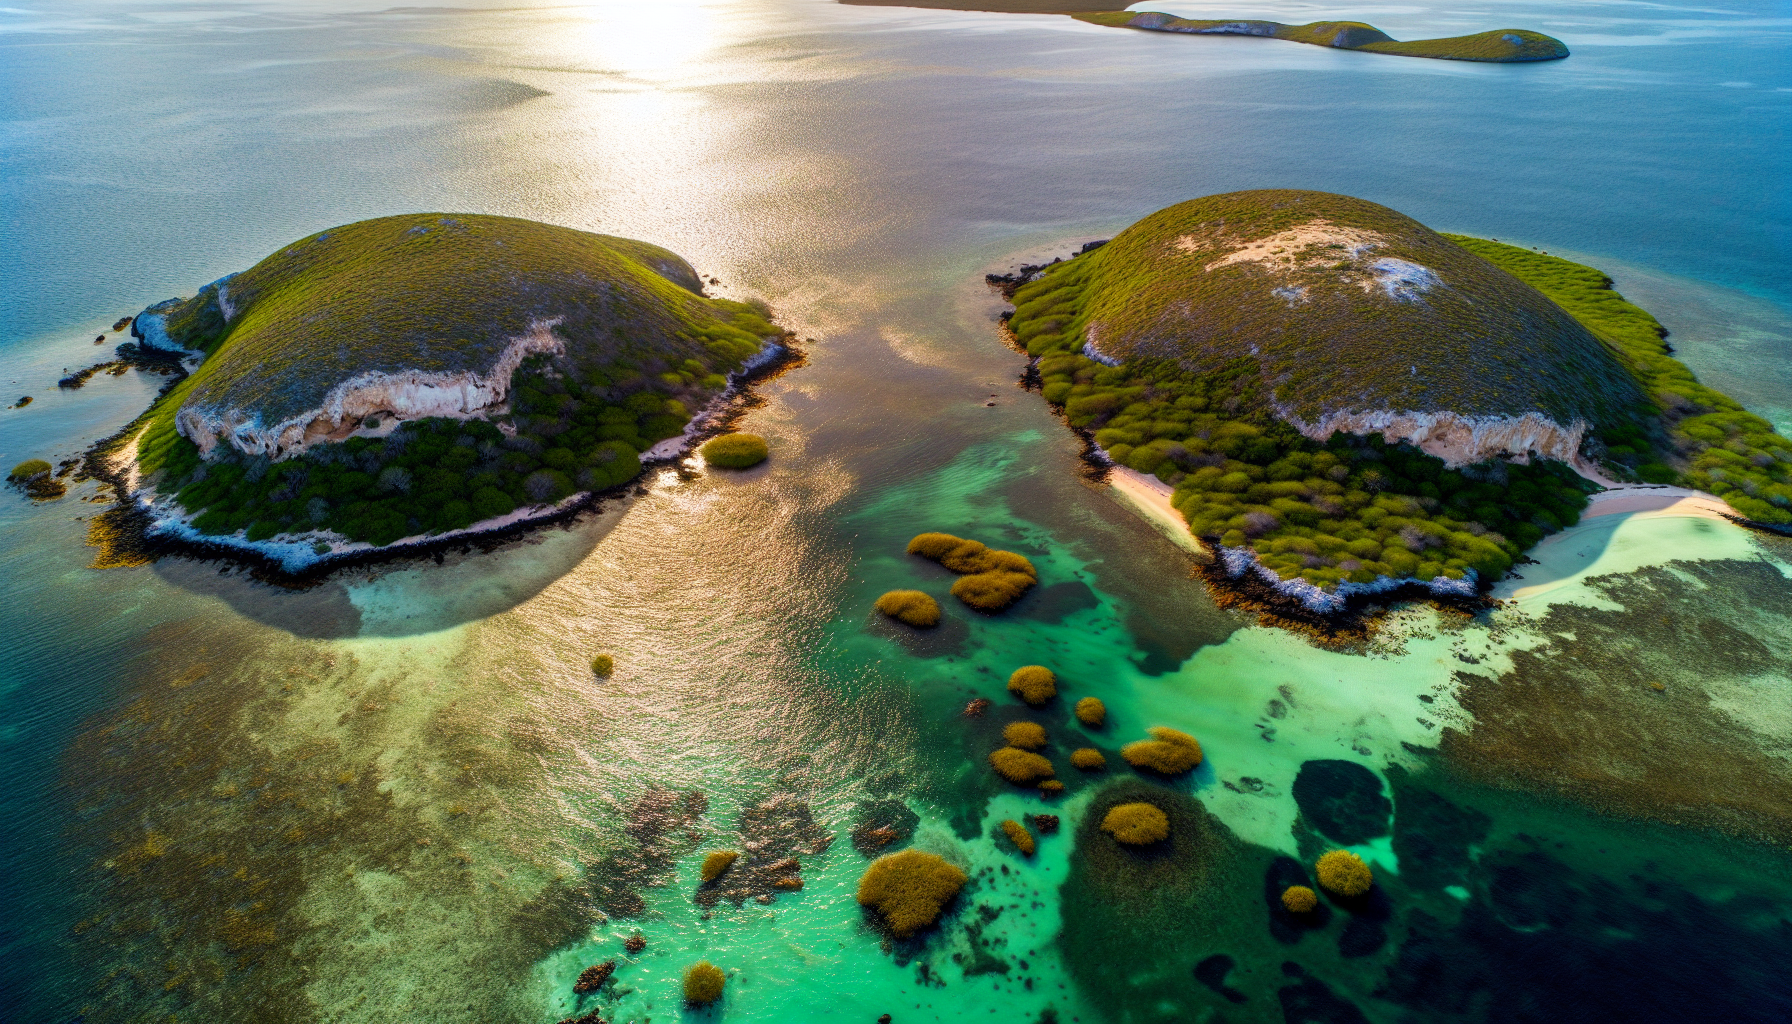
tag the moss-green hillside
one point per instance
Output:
(1712, 442)
(1198, 378)
(1497, 46)
(440, 293)
(1340, 303)
(642, 349)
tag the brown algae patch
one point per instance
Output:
(1660, 705)
(276, 817)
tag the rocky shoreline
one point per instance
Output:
(148, 525)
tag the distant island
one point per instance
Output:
(417, 377)
(1340, 401)
(1499, 46)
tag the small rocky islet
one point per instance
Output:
(429, 375)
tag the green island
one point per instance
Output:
(1499, 46)
(1350, 402)
(414, 375)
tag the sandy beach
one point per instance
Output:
(1150, 497)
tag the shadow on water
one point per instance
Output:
(404, 597)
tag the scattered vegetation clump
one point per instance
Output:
(1344, 873)
(1168, 752)
(734, 451)
(637, 348)
(602, 665)
(1025, 735)
(1211, 359)
(992, 581)
(911, 607)
(1051, 787)
(1299, 899)
(992, 591)
(1021, 767)
(33, 477)
(1088, 759)
(1019, 836)
(703, 983)
(1500, 46)
(717, 862)
(1137, 824)
(1091, 712)
(1702, 437)
(1034, 684)
(910, 889)
(592, 978)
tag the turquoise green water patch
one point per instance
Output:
(811, 955)
(1611, 544)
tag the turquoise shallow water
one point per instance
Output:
(402, 793)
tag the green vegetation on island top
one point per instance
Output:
(734, 451)
(1501, 46)
(625, 349)
(1717, 445)
(1197, 342)
(28, 469)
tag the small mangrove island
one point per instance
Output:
(1341, 402)
(425, 376)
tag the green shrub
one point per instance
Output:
(28, 469)
(1051, 787)
(1168, 752)
(1019, 836)
(602, 665)
(703, 983)
(933, 546)
(1025, 735)
(909, 889)
(1137, 824)
(1088, 759)
(734, 451)
(1021, 767)
(1034, 684)
(717, 862)
(910, 606)
(1091, 712)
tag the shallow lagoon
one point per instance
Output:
(404, 788)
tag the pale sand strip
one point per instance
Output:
(1150, 497)
(1656, 499)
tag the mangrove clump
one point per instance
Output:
(1088, 759)
(1344, 873)
(717, 862)
(1137, 824)
(1299, 899)
(909, 889)
(1168, 752)
(1091, 712)
(703, 983)
(911, 607)
(992, 581)
(734, 451)
(1019, 836)
(1021, 767)
(1034, 684)
(1025, 735)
